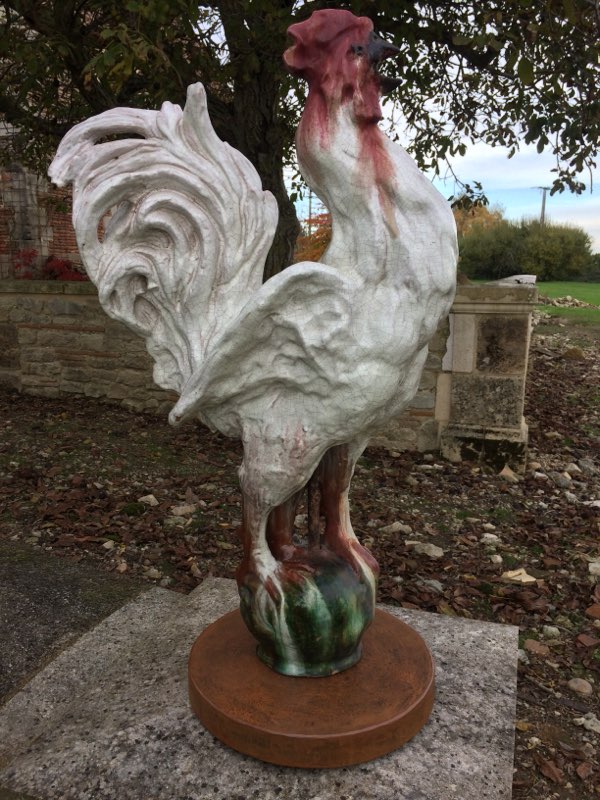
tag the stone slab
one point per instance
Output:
(488, 401)
(45, 604)
(109, 718)
(494, 297)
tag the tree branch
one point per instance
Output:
(14, 113)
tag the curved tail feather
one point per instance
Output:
(189, 230)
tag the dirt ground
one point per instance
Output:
(132, 496)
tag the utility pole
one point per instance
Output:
(543, 214)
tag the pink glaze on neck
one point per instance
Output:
(323, 55)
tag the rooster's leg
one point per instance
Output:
(313, 490)
(266, 588)
(258, 561)
(307, 607)
(337, 470)
(337, 467)
(280, 529)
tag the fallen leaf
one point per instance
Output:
(195, 570)
(584, 770)
(573, 751)
(549, 769)
(551, 562)
(593, 611)
(539, 649)
(190, 497)
(587, 641)
(532, 601)
(521, 781)
(517, 576)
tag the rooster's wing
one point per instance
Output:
(292, 347)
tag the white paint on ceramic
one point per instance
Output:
(186, 244)
(322, 353)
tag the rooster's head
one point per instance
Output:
(338, 54)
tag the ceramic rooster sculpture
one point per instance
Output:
(304, 368)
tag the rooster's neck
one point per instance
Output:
(347, 163)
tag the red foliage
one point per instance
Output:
(310, 247)
(61, 269)
(23, 263)
(54, 269)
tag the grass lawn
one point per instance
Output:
(581, 316)
(589, 292)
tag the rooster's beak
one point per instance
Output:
(378, 50)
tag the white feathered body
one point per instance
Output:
(323, 353)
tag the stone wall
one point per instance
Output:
(418, 428)
(55, 340)
(471, 398)
(481, 389)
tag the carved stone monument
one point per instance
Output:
(303, 369)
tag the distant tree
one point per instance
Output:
(557, 252)
(552, 252)
(594, 273)
(315, 236)
(468, 216)
(492, 252)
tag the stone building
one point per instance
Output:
(35, 218)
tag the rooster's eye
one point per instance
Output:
(358, 49)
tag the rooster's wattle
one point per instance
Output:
(304, 368)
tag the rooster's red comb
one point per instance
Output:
(318, 33)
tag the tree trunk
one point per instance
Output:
(257, 129)
(281, 253)
(259, 136)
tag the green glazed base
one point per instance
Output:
(310, 621)
(310, 670)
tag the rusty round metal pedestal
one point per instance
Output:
(357, 715)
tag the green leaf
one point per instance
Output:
(460, 39)
(569, 8)
(525, 71)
